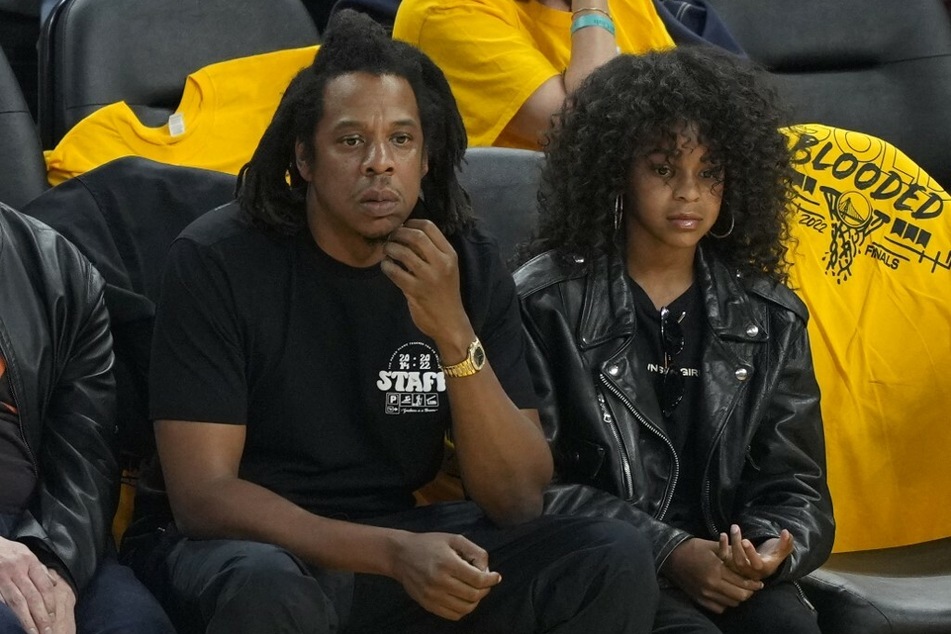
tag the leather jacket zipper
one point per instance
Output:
(625, 460)
(712, 525)
(803, 597)
(616, 433)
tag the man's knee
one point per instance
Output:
(605, 580)
(265, 587)
(619, 544)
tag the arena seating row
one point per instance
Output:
(84, 65)
(882, 68)
(21, 21)
(875, 66)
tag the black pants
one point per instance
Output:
(113, 601)
(559, 574)
(778, 609)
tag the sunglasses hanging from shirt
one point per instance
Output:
(672, 340)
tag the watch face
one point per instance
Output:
(478, 357)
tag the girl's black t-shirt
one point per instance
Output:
(685, 511)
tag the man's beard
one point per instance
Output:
(375, 241)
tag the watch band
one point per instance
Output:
(474, 361)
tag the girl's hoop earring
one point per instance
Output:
(618, 212)
(728, 231)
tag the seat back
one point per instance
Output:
(22, 171)
(97, 52)
(19, 31)
(503, 184)
(875, 66)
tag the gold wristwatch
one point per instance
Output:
(474, 361)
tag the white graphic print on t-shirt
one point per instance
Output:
(412, 380)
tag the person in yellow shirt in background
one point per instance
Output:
(511, 63)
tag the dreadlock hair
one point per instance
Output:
(271, 191)
(634, 104)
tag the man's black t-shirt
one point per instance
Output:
(343, 399)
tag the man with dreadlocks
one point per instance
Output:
(315, 341)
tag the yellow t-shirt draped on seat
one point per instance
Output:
(496, 53)
(871, 247)
(225, 109)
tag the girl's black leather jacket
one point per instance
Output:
(54, 336)
(761, 436)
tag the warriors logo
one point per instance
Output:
(853, 220)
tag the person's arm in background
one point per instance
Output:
(591, 47)
(511, 63)
(494, 65)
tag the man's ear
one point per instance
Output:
(303, 165)
(425, 165)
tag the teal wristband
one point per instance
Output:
(592, 19)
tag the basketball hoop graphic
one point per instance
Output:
(853, 220)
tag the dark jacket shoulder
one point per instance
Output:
(775, 292)
(547, 269)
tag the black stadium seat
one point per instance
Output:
(502, 184)
(875, 66)
(123, 216)
(22, 170)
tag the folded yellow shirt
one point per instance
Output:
(224, 110)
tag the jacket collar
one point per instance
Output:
(608, 309)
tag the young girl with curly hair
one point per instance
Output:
(672, 360)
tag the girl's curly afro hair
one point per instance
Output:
(632, 103)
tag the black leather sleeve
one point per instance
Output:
(71, 512)
(784, 480)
